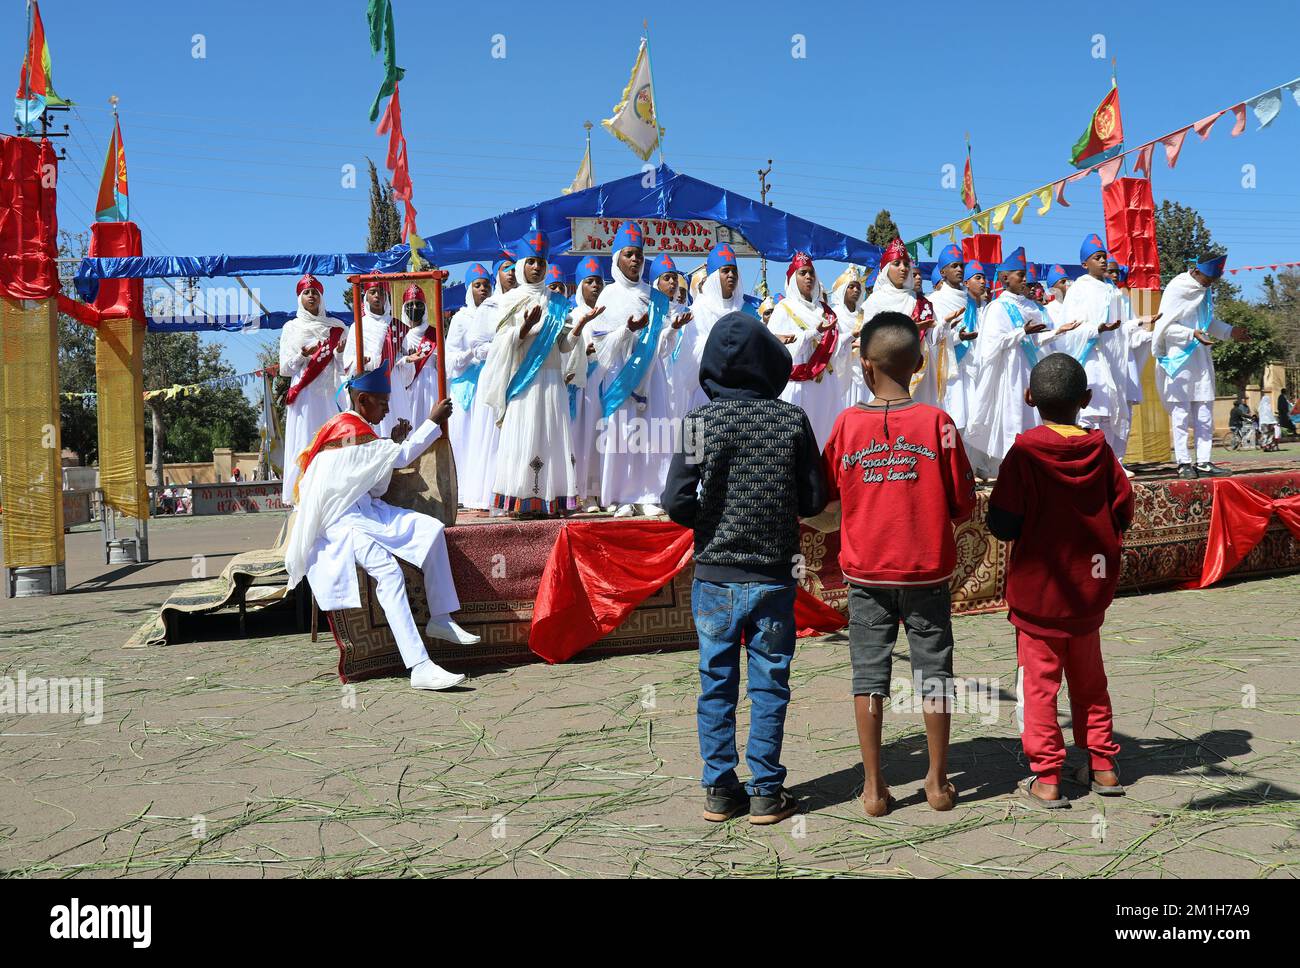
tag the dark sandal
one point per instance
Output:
(1025, 790)
(1083, 777)
(945, 801)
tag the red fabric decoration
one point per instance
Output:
(29, 224)
(1131, 230)
(923, 311)
(413, 294)
(81, 312)
(800, 260)
(424, 350)
(310, 282)
(1239, 517)
(597, 576)
(342, 429)
(985, 247)
(117, 298)
(894, 251)
(375, 284)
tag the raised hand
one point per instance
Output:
(310, 351)
(967, 334)
(1070, 326)
(588, 318)
(634, 324)
(441, 411)
(1033, 328)
(401, 430)
(1149, 322)
(682, 320)
(954, 316)
(1109, 327)
(1209, 340)
(787, 339)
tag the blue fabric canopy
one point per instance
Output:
(774, 233)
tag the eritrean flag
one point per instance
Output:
(968, 187)
(35, 86)
(1104, 136)
(112, 205)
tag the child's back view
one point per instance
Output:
(747, 471)
(1062, 496)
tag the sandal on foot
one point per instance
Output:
(1025, 789)
(945, 800)
(1083, 777)
(878, 807)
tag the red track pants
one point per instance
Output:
(1041, 663)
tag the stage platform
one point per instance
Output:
(499, 563)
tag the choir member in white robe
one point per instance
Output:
(895, 291)
(523, 382)
(341, 522)
(585, 380)
(716, 290)
(1101, 347)
(1011, 334)
(957, 315)
(462, 369)
(847, 302)
(382, 338)
(1058, 285)
(307, 358)
(1185, 367)
(805, 322)
(479, 475)
(420, 350)
(635, 439)
(680, 358)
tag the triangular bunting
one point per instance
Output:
(1240, 126)
(1266, 107)
(1173, 146)
(1203, 126)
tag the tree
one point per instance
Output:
(1282, 302)
(189, 427)
(883, 230)
(1238, 364)
(1183, 239)
(385, 223)
(78, 417)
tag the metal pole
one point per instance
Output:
(763, 186)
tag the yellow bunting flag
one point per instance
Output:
(1020, 204)
(1045, 196)
(1000, 216)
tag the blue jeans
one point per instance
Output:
(764, 615)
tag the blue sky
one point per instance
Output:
(242, 151)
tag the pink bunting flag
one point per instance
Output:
(1143, 162)
(1173, 145)
(1108, 171)
(1060, 193)
(1240, 126)
(1203, 126)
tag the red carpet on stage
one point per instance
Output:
(499, 567)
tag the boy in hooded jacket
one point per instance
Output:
(1062, 496)
(747, 470)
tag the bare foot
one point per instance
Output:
(939, 793)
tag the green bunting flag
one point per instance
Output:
(382, 33)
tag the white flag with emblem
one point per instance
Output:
(634, 122)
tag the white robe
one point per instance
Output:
(958, 377)
(846, 360)
(374, 329)
(340, 510)
(587, 376)
(822, 398)
(886, 297)
(635, 443)
(1095, 303)
(999, 409)
(535, 467)
(477, 473)
(459, 355)
(1176, 330)
(313, 406)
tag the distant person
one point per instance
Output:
(1063, 498)
(1269, 429)
(235, 476)
(1285, 420)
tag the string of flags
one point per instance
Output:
(383, 34)
(1274, 266)
(180, 390)
(1265, 107)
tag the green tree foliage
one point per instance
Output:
(1183, 239)
(1282, 300)
(883, 230)
(1238, 364)
(80, 426)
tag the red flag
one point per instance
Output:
(968, 187)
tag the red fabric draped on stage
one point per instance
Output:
(596, 576)
(1239, 517)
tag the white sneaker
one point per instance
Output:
(442, 627)
(651, 510)
(429, 675)
(1127, 473)
(626, 511)
(593, 508)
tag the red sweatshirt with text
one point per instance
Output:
(1065, 501)
(902, 478)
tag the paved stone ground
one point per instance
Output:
(247, 758)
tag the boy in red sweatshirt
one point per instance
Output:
(1065, 500)
(900, 473)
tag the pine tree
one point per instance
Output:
(883, 230)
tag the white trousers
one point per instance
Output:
(1200, 418)
(1118, 444)
(390, 587)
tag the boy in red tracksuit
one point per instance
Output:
(1063, 497)
(900, 473)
